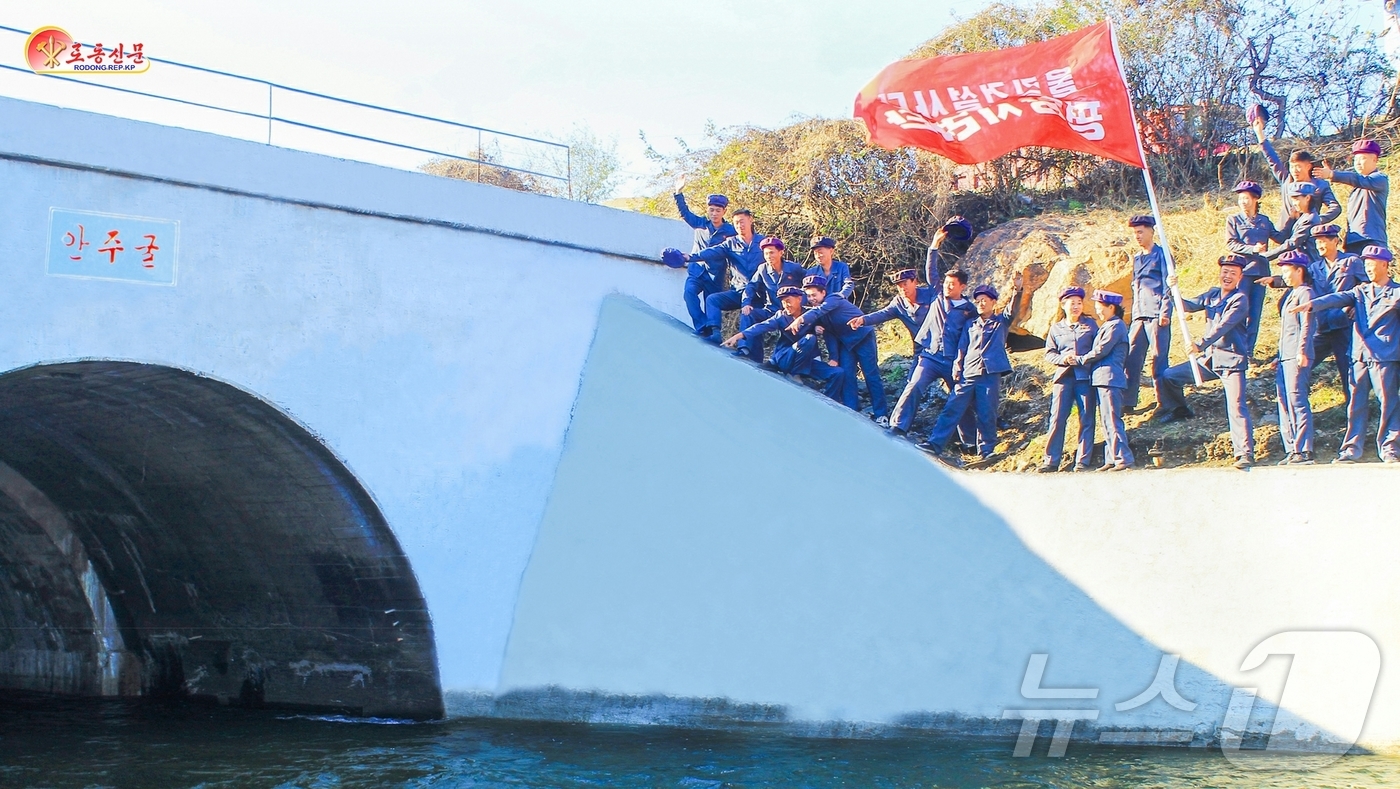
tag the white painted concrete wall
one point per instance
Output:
(441, 364)
(715, 532)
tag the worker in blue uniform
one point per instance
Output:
(1334, 271)
(1296, 233)
(937, 339)
(795, 354)
(742, 253)
(836, 273)
(980, 363)
(935, 266)
(761, 294)
(1301, 168)
(1293, 375)
(1375, 349)
(909, 306)
(857, 345)
(1370, 192)
(703, 279)
(1150, 328)
(1106, 362)
(1070, 390)
(1221, 353)
(1248, 234)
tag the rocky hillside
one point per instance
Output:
(1091, 249)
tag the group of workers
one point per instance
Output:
(1339, 301)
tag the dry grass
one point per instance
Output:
(1195, 226)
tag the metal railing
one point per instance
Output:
(532, 156)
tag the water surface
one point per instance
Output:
(44, 743)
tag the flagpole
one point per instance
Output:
(1156, 213)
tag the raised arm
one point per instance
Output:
(1280, 169)
(690, 217)
(933, 267)
(1375, 182)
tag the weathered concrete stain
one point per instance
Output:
(242, 561)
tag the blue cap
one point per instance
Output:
(958, 227)
(1142, 220)
(673, 257)
(986, 290)
(823, 241)
(1251, 187)
(771, 241)
(904, 275)
(719, 200)
(1294, 257)
(1073, 290)
(1301, 188)
(1327, 231)
(1233, 260)
(790, 290)
(815, 281)
(1377, 252)
(1107, 297)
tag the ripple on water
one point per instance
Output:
(122, 744)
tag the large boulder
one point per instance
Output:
(1051, 253)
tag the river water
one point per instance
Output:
(119, 744)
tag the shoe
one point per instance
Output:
(1343, 459)
(983, 461)
(1105, 467)
(1390, 459)
(1288, 459)
(1079, 468)
(1303, 459)
(1160, 415)
(882, 421)
(897, 433)
(1047, 466)
(1117, 467)
(1183, 413)
(1244, 462)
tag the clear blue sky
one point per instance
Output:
(617, 66)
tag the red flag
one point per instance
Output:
(1068, 92)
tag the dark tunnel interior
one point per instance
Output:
(164, 534)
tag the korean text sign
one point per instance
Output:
(1065, 93)
(112, 246)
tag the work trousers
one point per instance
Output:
(699, 285)
(1382, 378)
(1115, 445)
(1144, 336)
(865, 356)
(1241, 425)
(981, 395)
(1066, 395)
(801, 358)
(1337, 344)
(1255, 292)
(925, 371)
(1295, 418)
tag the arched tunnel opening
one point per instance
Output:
(164, 534)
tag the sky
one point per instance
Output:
(533, 67)
(617, 67)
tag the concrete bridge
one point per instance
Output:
(364, 440)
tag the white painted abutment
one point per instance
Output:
(612, 521)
